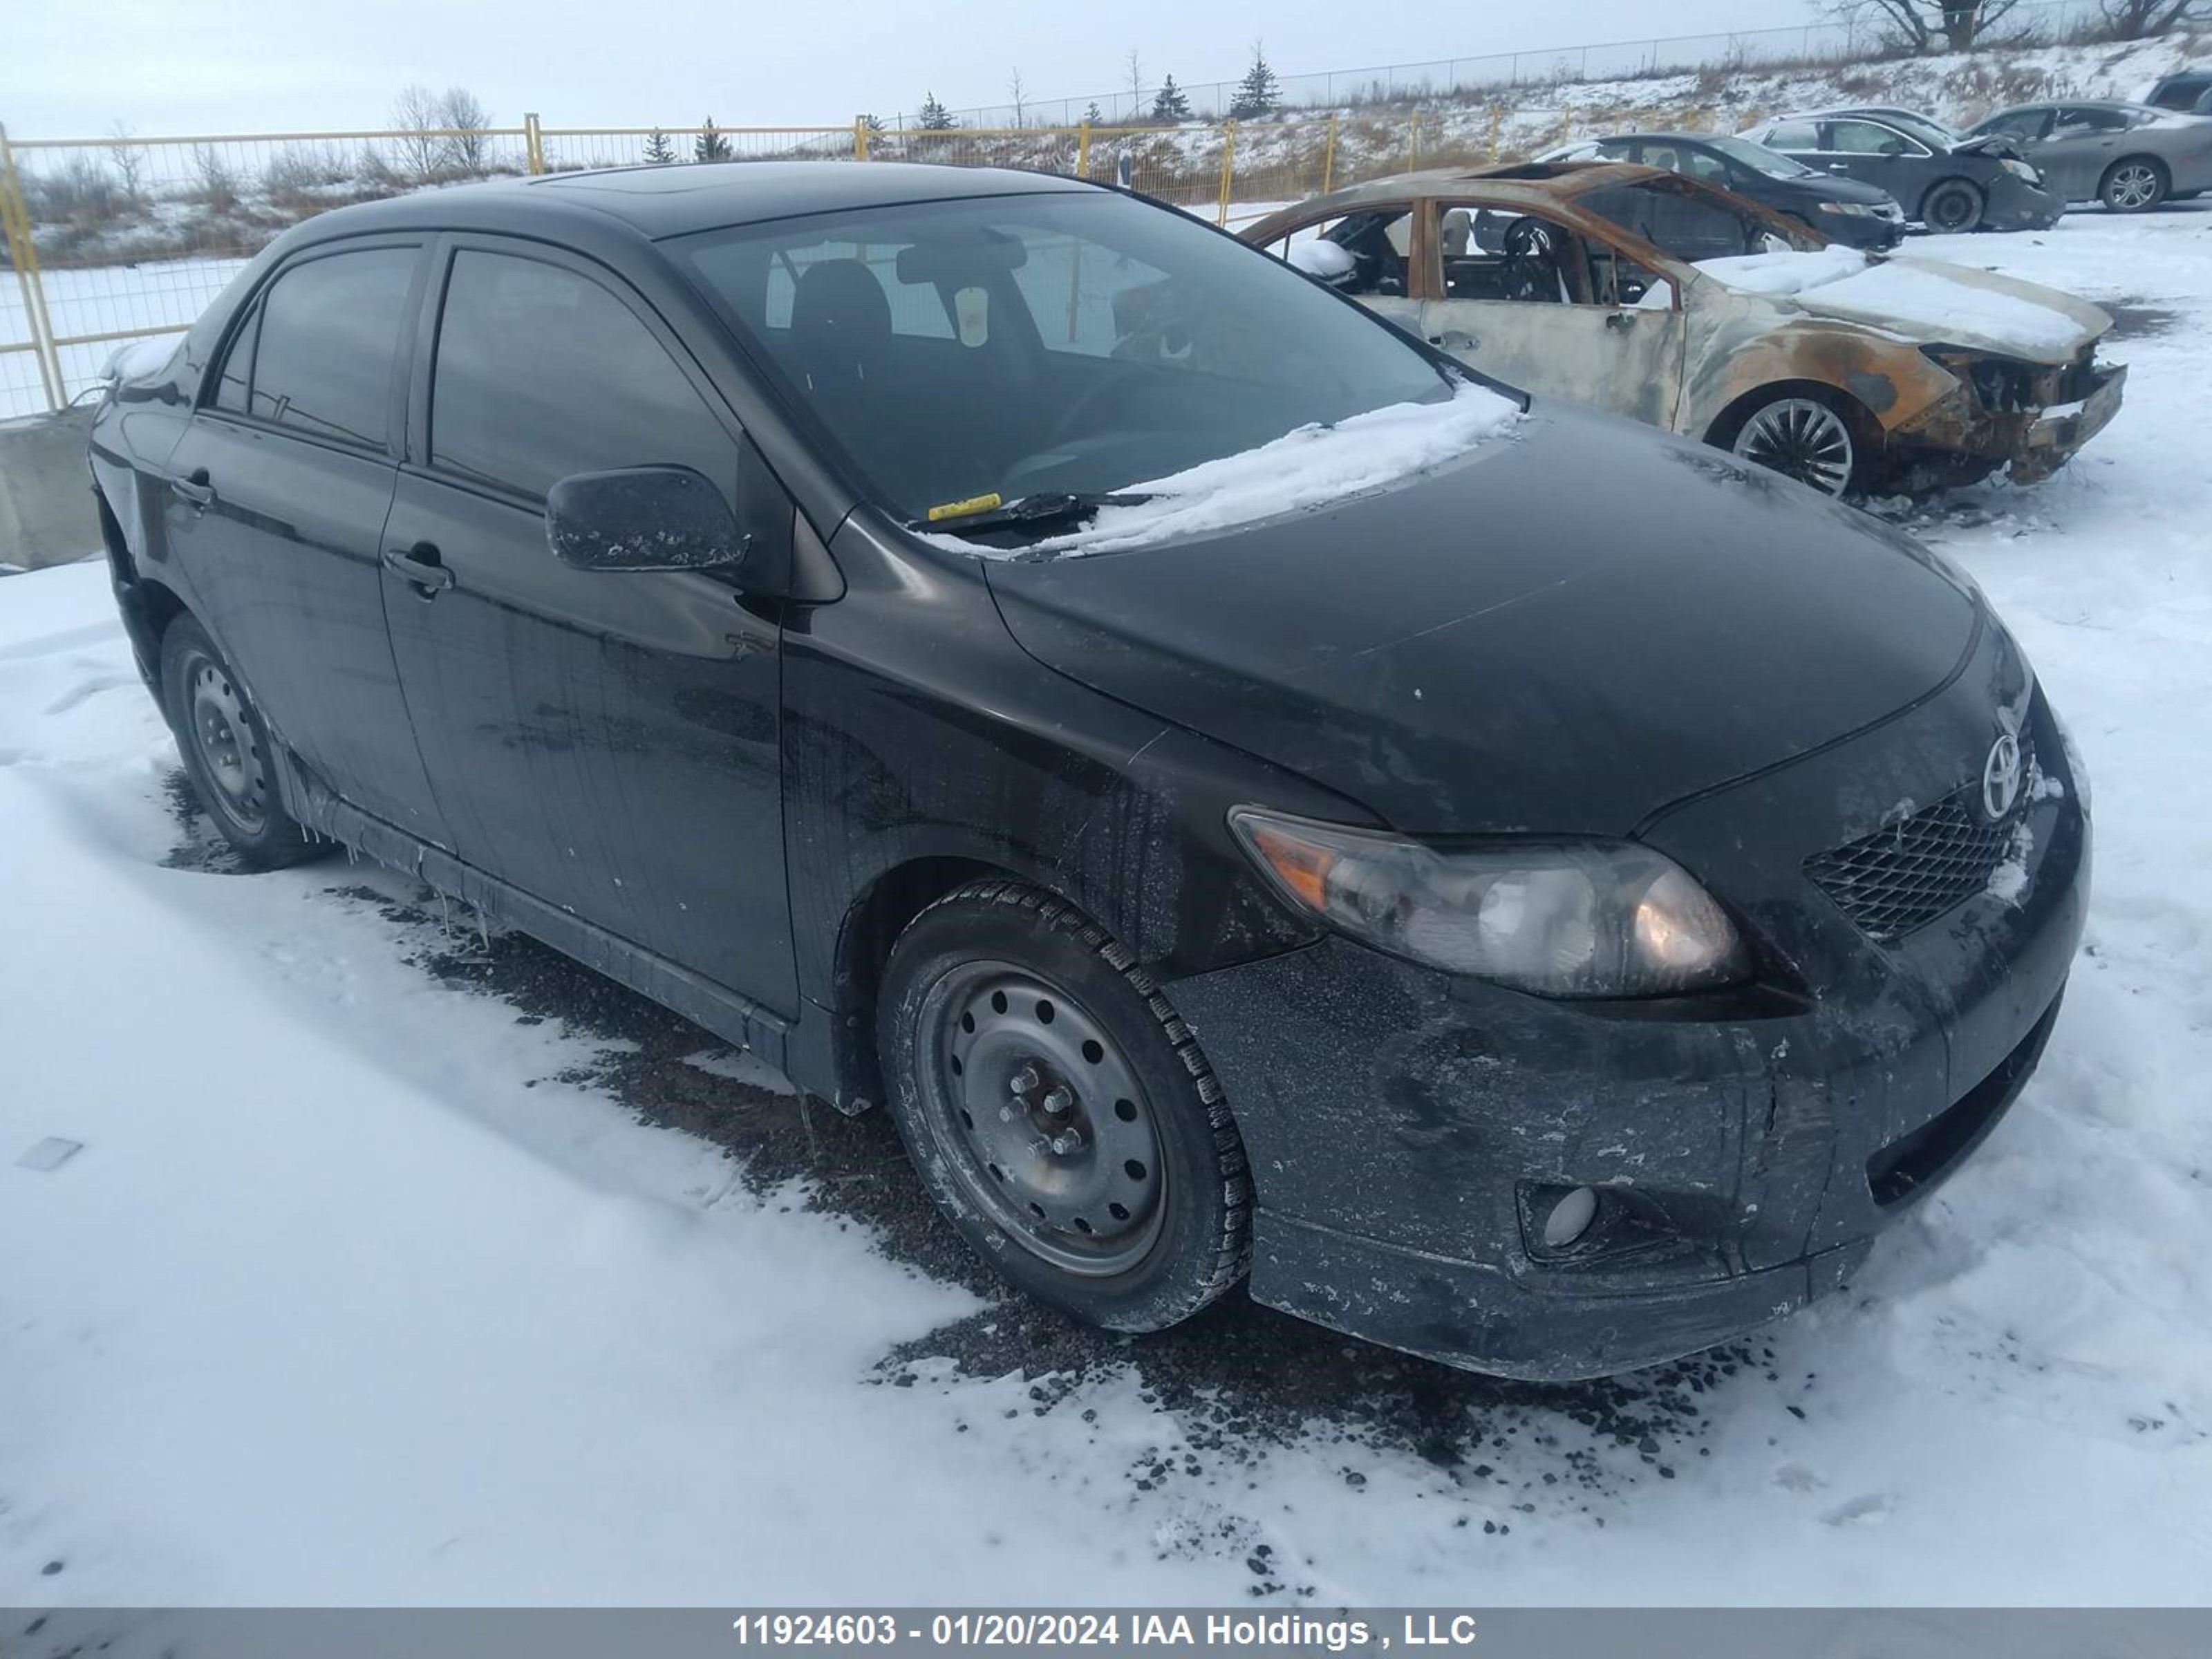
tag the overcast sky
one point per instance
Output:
(72, 67)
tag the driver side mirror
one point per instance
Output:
(641, 518)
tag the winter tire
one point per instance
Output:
(1059, 1112)
(2134, 184)
(225, 750)
(1952, 207)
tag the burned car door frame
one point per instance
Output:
(1606, 350)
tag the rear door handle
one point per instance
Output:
(421, 567)
(194, 487)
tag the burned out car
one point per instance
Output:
(1653, 295)
(1237, 810)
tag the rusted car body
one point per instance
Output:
(1684, 305)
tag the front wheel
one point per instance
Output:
(226, 750)
(1059, 1112)
(1952, 207)
(1806, 436)
(2135, 185)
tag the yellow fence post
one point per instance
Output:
(1228, 172)
(1083, 151)
(1328, 158)
(1497, 127)
(1414, 144)
(533, 143)
(23, 254)
(859, 137)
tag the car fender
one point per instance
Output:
(1741, 343)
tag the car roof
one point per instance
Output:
(2072, 103)
(673, 200)
(1525, 182)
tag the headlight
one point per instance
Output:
(1562, 919)
(1854, 210)
(2021, 170)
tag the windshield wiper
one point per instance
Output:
(1028, 512)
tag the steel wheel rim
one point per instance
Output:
(1075, 1178)
(2134, 186)
(1952, 209)
(224, 739)
(1801, 437)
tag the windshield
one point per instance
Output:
(1068, 343)
(1759, 159)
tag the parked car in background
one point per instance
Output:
(1841, 210)
(2189, 92)
(2129, 156)
(1652, 294)
(998, 648)
(1946, 181)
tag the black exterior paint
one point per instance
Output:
(730, 789)
(1801, 199)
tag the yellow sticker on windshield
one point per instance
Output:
(962, 509)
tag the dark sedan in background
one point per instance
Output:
(2188, 93)
(1842, 209)
(1944, 180)
(2129, 156)
(1247, 792)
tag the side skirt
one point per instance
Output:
(736, 1019)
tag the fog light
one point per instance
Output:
(1570, 1218)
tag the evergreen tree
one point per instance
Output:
(710, 145)
(935, 117)
(1092, 114)
(1169, 103)
(874, 123)
(1258, 91)
(658, 149)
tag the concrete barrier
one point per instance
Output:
(46, 512)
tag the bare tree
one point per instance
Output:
(218, 188)
(2139, 20)
(129, 160)
(415, 118)
(1135, 66)
(1932, 25)
(1014, 92)
(467, 146)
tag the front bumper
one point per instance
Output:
(1403, 1125)
(1877, 232)
(2043, 422)
(2010, 203)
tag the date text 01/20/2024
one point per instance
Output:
(1015, 1630)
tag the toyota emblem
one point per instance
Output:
(2000, 776)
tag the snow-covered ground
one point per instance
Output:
(369, 1285)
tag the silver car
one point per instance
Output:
(2129, 156)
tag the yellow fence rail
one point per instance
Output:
(121, 238)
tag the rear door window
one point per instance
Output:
(1794, 135)
(2074, 121)
(330, 333)
(542, 372)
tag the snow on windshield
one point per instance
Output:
(1308, 467)
(1906, 296)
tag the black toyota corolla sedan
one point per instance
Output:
(1250, 797)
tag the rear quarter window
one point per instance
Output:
(329, 341)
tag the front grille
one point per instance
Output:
(1905, 874)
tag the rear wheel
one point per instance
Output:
(2134, 184)
(226, 750)
(1803, 433)
(1058, 1110)
(1952, 206)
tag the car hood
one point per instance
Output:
(1833, 187)
(1574, 626)
(1923, 300)
(1994, 144)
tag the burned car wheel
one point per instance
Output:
(1058, 1110)
(1953, 206)
(1806, 436)
(226, 750)
(2135, 185)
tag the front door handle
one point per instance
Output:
(194, 487)
(1456, 339)
(421, 567)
